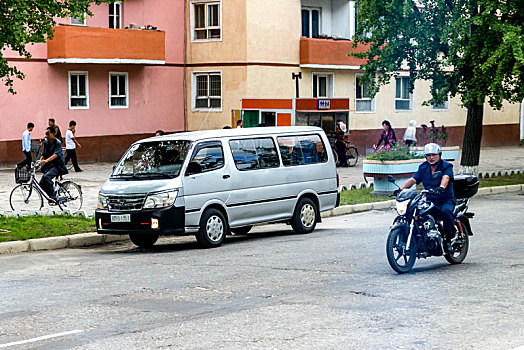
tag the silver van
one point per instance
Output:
(210, 183)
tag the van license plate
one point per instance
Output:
(121, 218)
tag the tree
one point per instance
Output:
(473, 49)
(24, 22)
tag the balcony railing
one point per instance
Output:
(329, 52)
(76, 44)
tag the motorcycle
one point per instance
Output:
(415, 233)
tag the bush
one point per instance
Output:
(398, 151)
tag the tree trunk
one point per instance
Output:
(472, 138)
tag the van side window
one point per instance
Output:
(300, 150)
(251, 154)
(210, 157)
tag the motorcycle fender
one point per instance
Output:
(464, 220)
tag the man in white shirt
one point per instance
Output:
(71, 144)
(26, 146)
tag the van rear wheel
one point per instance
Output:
(143, 241)
(304, 219)
(213, 229)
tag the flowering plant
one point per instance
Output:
(435, 134)
(398, 151)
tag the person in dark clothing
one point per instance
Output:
(159, 133)
(58, 134)
(52, 161)
(26, 146)
(388, 134)
(444, 200)
(340, 146)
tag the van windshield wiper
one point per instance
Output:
(152, 174)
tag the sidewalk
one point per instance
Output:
(94, 175)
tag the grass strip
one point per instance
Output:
(502, 180)
(362, 195)
(34, 226)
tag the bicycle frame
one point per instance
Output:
(34, 184)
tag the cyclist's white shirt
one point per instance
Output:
(69, 140)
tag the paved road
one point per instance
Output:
(332, 289)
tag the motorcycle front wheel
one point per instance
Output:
(400, 259)
(460, 247)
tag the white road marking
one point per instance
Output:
(32, 340)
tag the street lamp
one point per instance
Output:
(296, 76)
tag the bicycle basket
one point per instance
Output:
(22, 175)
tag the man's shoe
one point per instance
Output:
(448, 248)
(51, 202)
(79, 170)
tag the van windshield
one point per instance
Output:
(156, 159)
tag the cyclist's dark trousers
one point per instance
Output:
(27, 161)
(341, 153)
(445, 212)
(71, 154)
(46, 182)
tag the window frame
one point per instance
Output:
(446, 106)
(207, 28)
(207, 144)
(410, 94)
(194, 108)
(78, 73)
(372, 100)
(330, 84)
(82, 24)
(126, 74)
(310, 10)
(298, 136)
(114, 16)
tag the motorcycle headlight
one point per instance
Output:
(102, 202)
(402, 207)
(160, 200)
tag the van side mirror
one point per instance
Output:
(193, 168)
(391, 179)
(437, 175)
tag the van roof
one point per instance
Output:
(208, 134)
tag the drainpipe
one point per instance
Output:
(184, 62)
(522, 123)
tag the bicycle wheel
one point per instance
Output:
(25, 197)
(69, 196)
(352, 155)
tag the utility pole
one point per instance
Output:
(296, 77)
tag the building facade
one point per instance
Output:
(119, 74)
(241, 50)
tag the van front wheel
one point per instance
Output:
(142, 240)
(305, 217)
(213, 228)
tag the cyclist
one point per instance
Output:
(51, 161)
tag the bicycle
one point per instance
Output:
(351, 154)
(28, 195)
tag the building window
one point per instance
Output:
(322, 85)
(403, 99)
(206, 20)
(79, 21)
(78, 90)
(118, 90)
(363, 100)
(444, 106)
(115, 15)
(310, 22)
(207, 90)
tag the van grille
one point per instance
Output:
(130, 202)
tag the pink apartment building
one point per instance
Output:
(119, 74)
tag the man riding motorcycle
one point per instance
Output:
(442, 197)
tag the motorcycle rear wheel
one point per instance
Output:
(400, 259)
(460, 248)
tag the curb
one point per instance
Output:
(89, 239)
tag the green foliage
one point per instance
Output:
(398, 151)
(470, 48)
(362, 195)
(27, 227)
(26, 22)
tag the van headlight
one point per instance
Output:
(160, 199)
(102, 202)
(402, 207)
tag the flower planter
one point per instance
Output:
(449, 153)
(401, 170)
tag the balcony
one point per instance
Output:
(76, 44)
(329, 53)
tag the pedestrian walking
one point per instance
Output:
(58, 133)
(26, 146)
(159, 132)
(71, 144)
(388, 135)
(410, 135)
(340, 144)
